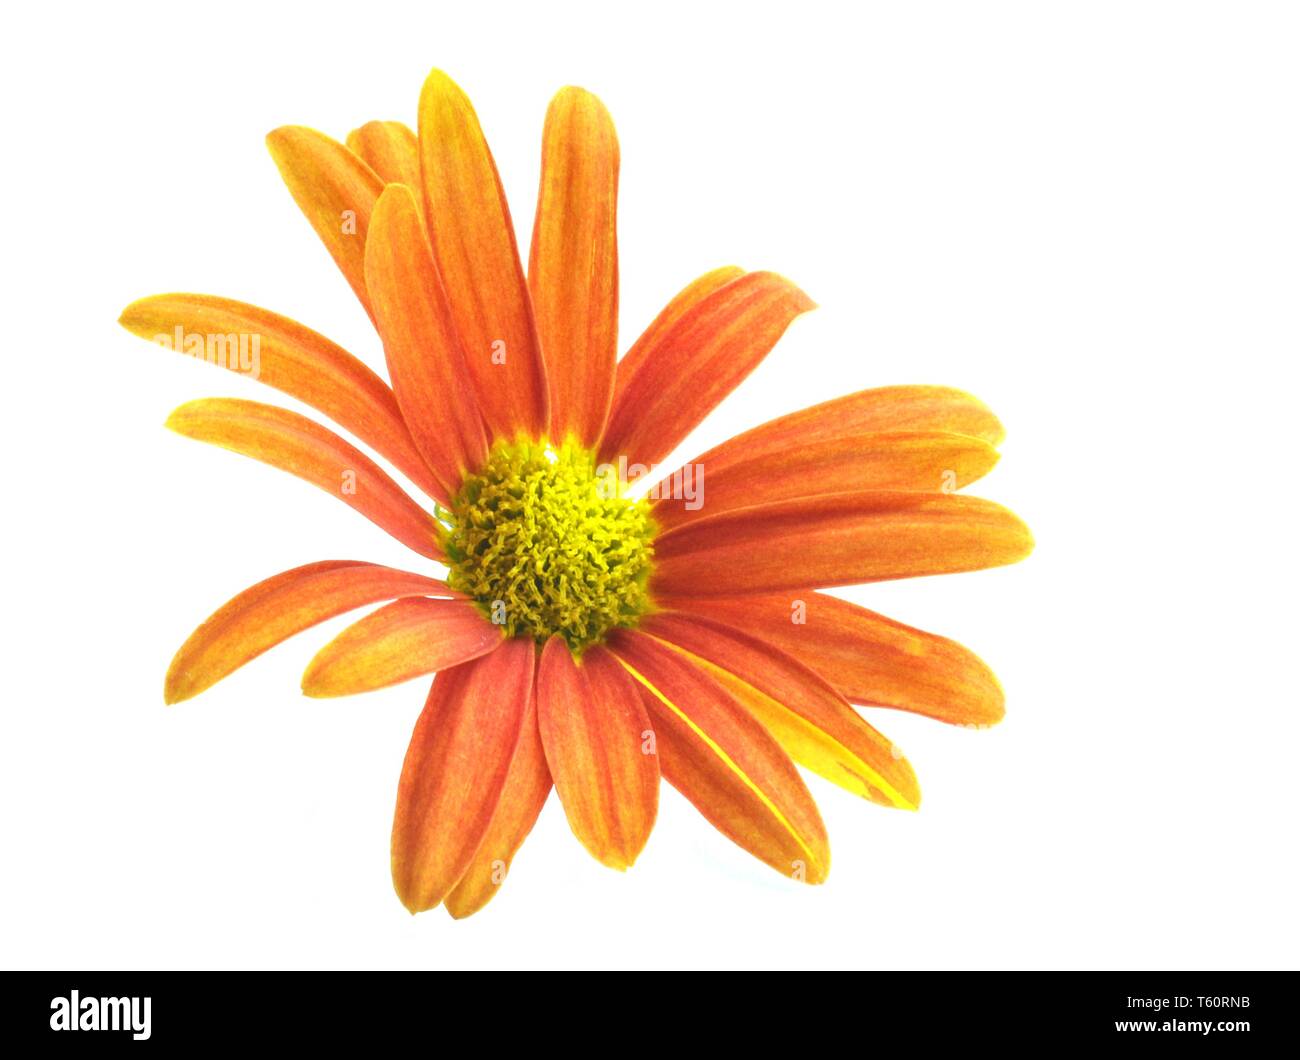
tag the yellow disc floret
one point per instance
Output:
(546, 544)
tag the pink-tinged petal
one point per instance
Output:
(840, 539)
(315, 454)
(889, 460)
(715, 753)
(335, 191)
(474, 245)
(281, 353)
(528, 783)
(600, 751)
(696, 362)
(456, 769)
(275, 609)
(404, 639)
(870, 659)
(573, 263)
(425, 359)
(813, 722)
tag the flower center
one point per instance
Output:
(545, 544)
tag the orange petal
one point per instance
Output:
(889, 408)
(425, 359)
(455, 770)
(407, 638)
(304, 448)
(275, 609)
(713, 752)
(652, 338)
(390, 149)
(528, 783)
(696, 362)
(840, 539)
(290, 358)
(596, 732)
(891, 460)
(334, 189)
(870, 659)
(573, 263)
(813, 722)
(474, 244)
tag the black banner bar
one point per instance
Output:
(1221, 1011)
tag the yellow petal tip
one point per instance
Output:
(440, 81)
(461, 912)
(812, 874)
(413, 907)
(611, 859)
(314, 686)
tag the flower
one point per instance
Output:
(584, 638)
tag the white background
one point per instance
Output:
(1088, 214)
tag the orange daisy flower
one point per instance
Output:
(584, 638)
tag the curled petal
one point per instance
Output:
(275, 609)
(405, 639)
(296, 444)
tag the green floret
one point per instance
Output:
(547, 545)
